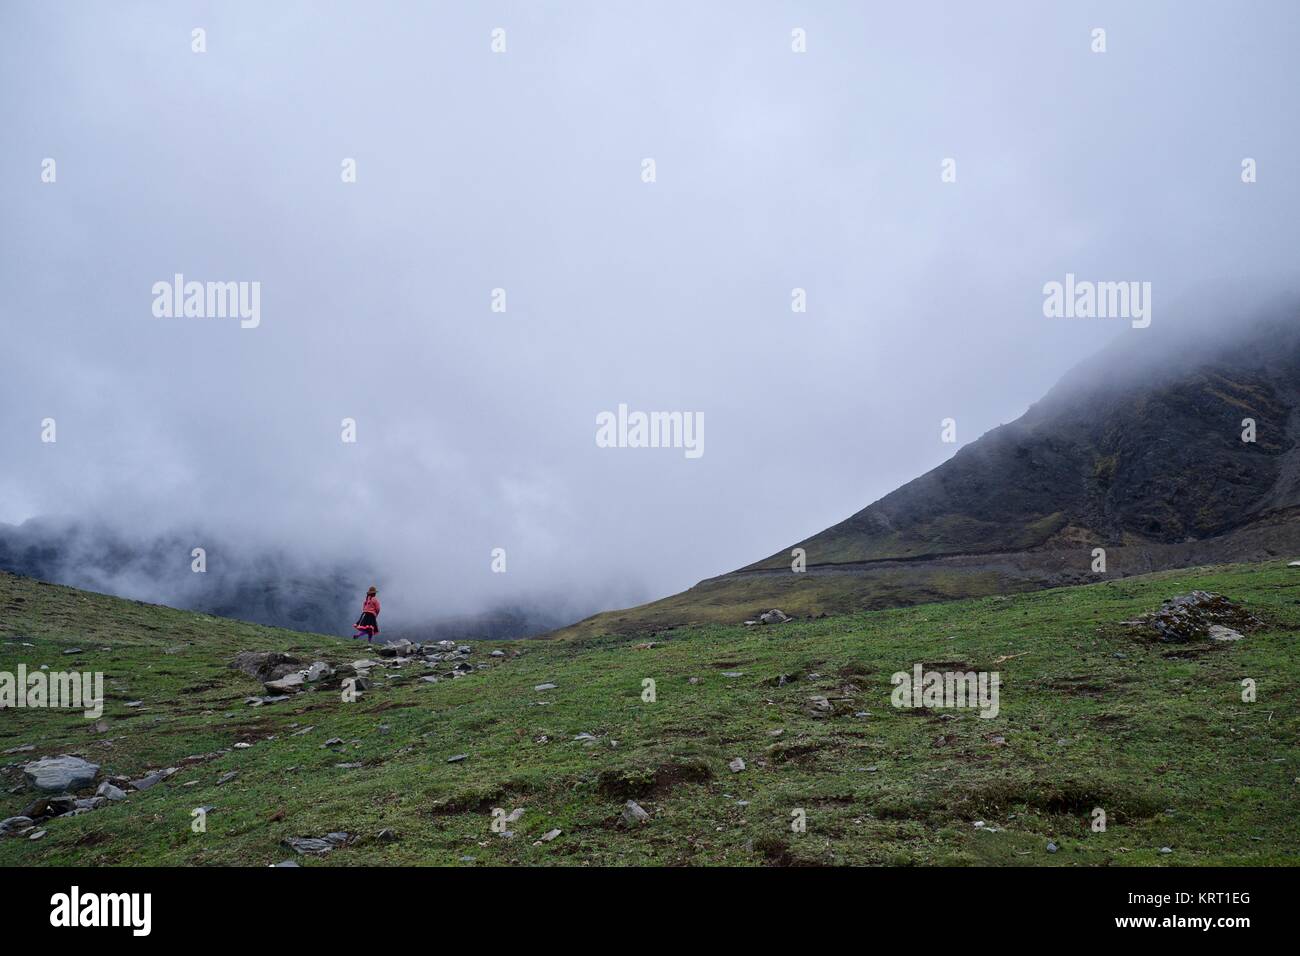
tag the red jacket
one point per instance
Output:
(371, 605)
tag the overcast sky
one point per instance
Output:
(522, 170)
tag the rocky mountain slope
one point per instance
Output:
(1138, 450)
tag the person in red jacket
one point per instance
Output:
(368, 623)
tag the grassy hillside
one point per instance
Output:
(1091, 715)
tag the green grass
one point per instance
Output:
(1159, 738)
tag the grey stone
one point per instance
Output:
(456, 758)
(737, 765)
(265, 665)
(319, 671)
(60, 774)
(819, 707)
(288, 684)
(544, 687)
(309, 845)
(14, 824)
(633, 814)
(153, 779)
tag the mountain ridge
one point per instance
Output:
(1138, 450)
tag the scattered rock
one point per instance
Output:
(386, 836)
(61, 774)
(56, 806)
(317, 846)
(153, 779)
(227, 777)
(634, 815)
(24, 749)
(288, 684)
(548, 836)
(37, 835)
(110, 792)
(819, 707)
(319, 671)
(1189, 617)
(1223, 634)
(737, 765)
(456, 758)
(1051, 848)
(544, 687)
(774, 616)
(14, 824)
(265, 665)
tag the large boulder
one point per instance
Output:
(61, 774)
(288, 684)
(1189, 617)
(319, 670)
(266, 665)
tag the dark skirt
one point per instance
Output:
(367, 622)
